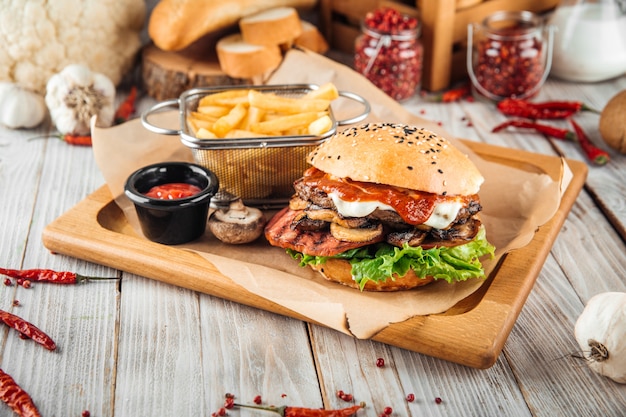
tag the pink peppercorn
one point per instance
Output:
(389, 52)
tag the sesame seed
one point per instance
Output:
(440, 171)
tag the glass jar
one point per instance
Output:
(510, 55)
(590, 40)
(391, 56)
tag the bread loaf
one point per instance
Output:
(176, 24)
(276, 26)
(239, 59)
(311, 38)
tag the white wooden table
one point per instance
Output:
(138, 347)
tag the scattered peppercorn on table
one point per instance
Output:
(132, 346)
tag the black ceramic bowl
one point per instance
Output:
(175, 221)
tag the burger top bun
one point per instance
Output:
(399, 155)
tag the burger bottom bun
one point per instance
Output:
(339, 270)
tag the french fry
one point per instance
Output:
(242, 133)
(255, 115)
(206, 117)
(296, 131)
(203, 133)
(320, 125)
(197, 124)
(230, 121)
(285, 122)
(286, 104)
(212, 111)
(225, 98)
(326, 91)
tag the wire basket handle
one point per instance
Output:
(366, 110)
(156, 129)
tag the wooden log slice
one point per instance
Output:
(167, 74)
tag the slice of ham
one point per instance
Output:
(279, 232)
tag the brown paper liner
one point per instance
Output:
(515, 203)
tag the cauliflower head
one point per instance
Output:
(39, 38)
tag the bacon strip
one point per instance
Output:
(279, 232)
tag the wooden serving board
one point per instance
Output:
(471, 333)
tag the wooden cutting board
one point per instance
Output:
(471, 333)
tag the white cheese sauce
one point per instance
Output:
(442, 216)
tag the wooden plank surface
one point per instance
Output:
(106, 331)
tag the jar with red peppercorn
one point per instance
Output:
(510, 55)
(389, 52)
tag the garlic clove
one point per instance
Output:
(19, 107)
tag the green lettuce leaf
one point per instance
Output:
(380, 261)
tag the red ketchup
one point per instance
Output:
(173, 191)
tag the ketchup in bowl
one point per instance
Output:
(172, 200)
(173, 191)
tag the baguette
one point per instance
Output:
(176, 24)
(311, 38)
(239, 59)
(277, 26)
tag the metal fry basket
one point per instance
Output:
(260, 170)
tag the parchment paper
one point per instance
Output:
(514, 203)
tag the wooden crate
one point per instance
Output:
(444, 29)
(445, 34)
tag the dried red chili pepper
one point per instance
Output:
(287, 411)
(565, 105)
(544, 110)
(451, 95)
(27, 329)
(126, 107)
(596, 155)
(77, 140)
(15, 397)
(50, 276)
(547, 130)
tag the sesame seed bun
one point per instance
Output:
(399, 155)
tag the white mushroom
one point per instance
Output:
(237, 224)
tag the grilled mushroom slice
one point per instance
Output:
(347, 234)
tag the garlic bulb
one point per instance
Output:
(76, 94)
(20, 107)
(601, 334)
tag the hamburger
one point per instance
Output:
(385, 207)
